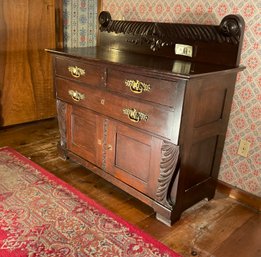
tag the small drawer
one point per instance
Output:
(144, 116)
(80, 71)
(159, 91)
(149, 117)
(78, 94)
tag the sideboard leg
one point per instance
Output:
(62, 152)
(163, 219)
(168, 221)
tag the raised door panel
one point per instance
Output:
(26, 84)
(83, 134)
(133, 157)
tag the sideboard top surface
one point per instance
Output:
(169, 66)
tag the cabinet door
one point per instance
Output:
(133, 157)
(84, 134)
(26, 83)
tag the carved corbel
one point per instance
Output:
(168, 173)
(61, 110)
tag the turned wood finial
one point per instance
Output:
(104, 18)
(232, 25)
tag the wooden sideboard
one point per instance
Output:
(148, 108)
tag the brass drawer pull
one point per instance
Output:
(137, 86)
(134, 115)
(76, 71)
(76, 96)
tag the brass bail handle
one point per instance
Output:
(76, 96)
(134, 115)
(137, 86)
(76, 72)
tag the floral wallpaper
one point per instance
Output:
(80, 21)
(245, 118)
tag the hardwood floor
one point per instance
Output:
(221, 227)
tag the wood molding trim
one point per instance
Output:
(99, 10)
(241, 196)
(99, 5)
(59, 23)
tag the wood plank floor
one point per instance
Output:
(221, 227)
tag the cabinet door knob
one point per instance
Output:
(76, 96)
(137, 86)
(109, 147)
(76, 72)
(134, 115)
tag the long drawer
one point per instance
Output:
(80, 71)
(143, 87)
(148, 117)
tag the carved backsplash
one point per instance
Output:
(135, 35)
(160, 34)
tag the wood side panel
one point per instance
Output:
(200, 162)
(202, 136)
(26, 82)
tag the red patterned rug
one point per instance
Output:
(40, 215)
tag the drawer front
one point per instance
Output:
(83, 72)
(148, 117)
(151, 89)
